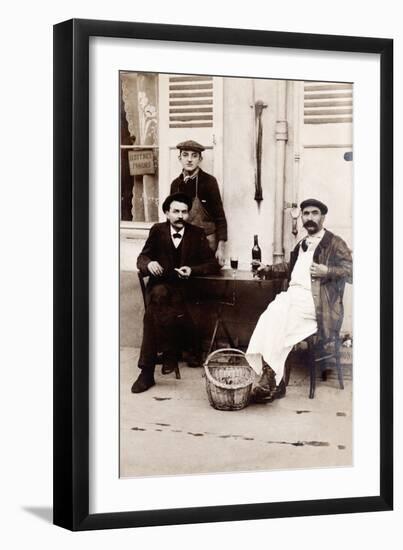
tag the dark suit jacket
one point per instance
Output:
(196, 253)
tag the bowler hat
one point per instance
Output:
(314, 202)
(179, 197)
(190, 145)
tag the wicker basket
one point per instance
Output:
(229, 379)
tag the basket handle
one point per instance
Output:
(221, 350)
(217, 382)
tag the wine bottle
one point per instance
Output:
(256, 252)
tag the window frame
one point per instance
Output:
(131, 229)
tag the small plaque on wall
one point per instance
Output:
(141, 163)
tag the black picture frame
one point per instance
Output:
(71, 274)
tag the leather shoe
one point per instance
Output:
(279, 391)
(168, 366)
(266, 385)
(264, 395)
(268, 379)
(144, 381)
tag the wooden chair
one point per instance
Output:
(143, 291)
(317, 355)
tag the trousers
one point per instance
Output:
(167, 325)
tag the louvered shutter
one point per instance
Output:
(190, 101)
(326, 102)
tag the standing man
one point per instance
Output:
(207, 210)
(319, 267)
(174, 251)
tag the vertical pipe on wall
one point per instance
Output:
(294, 115)
(281, 138)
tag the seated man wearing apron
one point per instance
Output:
(319, 267)
(207, 209)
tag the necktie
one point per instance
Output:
(177, 236)
(304, 245)
(187, 178)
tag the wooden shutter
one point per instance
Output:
(190, 101)
(326, 102)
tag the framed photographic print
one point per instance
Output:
(214, 192)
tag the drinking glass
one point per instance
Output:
(234, 264)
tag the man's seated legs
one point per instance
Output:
(164, 312)
(176, 330)
(163, 330)
(190, 342)
(148, 355)
(157, 302)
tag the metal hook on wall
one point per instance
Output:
(295, 212)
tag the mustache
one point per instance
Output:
(311, 223)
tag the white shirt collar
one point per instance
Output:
(312, 241)
(181, 231)
(176, 242)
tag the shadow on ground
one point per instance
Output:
(42, 512)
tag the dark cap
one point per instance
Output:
(314, 202)
(180, 197)
(190, 145)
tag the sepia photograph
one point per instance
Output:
(224, 297)
(236, 272)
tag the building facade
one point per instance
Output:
(269, 143)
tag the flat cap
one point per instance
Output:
(314, 202)
(190, 145)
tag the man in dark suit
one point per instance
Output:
(174, 251)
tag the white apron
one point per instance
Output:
(287, 320)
